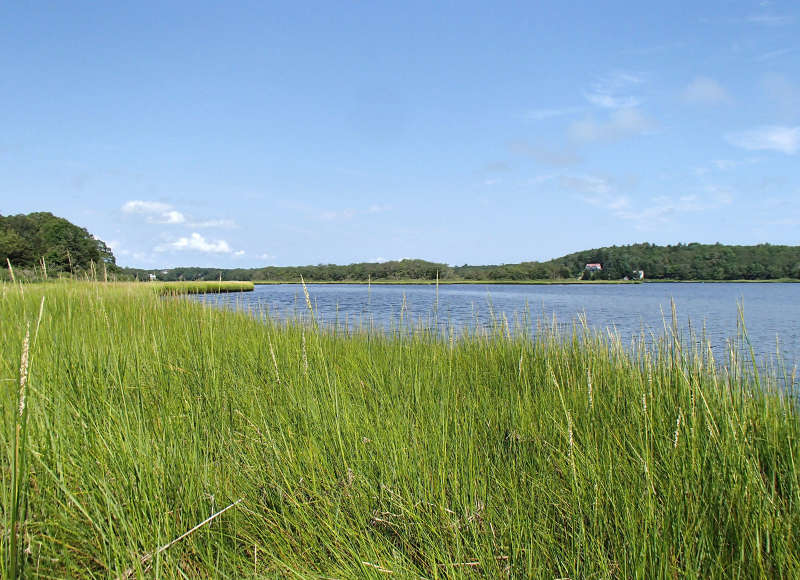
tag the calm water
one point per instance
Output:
(771, 311)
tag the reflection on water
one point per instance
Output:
(771, 311)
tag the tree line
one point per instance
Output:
(672, 262)
(40, 242)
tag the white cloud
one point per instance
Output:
(612, 102)
(172, 217)
(239, 253)
(768, 138)
(621, 124)
(613, 91)
(265, 256)
(139, 206)
(155, 212)
(196, 242)
(705, 91)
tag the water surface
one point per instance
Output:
(771, 311)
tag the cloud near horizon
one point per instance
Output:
(196, 242)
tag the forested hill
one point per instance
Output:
(28, 239)
(678, 262)
(689, 261)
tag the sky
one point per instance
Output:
(247, 134)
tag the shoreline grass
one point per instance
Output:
(172, 438)
(201, 287)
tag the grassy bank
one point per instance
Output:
(134, 419)
(210, 287)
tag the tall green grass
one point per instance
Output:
(169, 439)
(205, 287)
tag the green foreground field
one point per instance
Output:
(148, 436)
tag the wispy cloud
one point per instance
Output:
(724, 164)
(769, 19)
(544, 114)
(586, 183)
(613, 91)
(350, 213)
(660, 209)
(705, 91)
(156, 212)
(620, 124)
(773, 54)
(768, 138)
(614, 203)
(221, 223)
(197, 243)
(544, 155)
(340, 214)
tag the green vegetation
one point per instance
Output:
(690, 261)
(176, 288)
(144, 433)
(681, 262)
(41, 243)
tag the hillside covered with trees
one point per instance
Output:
(31, 241)
(673, 262)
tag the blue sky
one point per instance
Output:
(244, 134)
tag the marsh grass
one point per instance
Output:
(407, 454)
(206, 287)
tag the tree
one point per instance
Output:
(25, 240)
